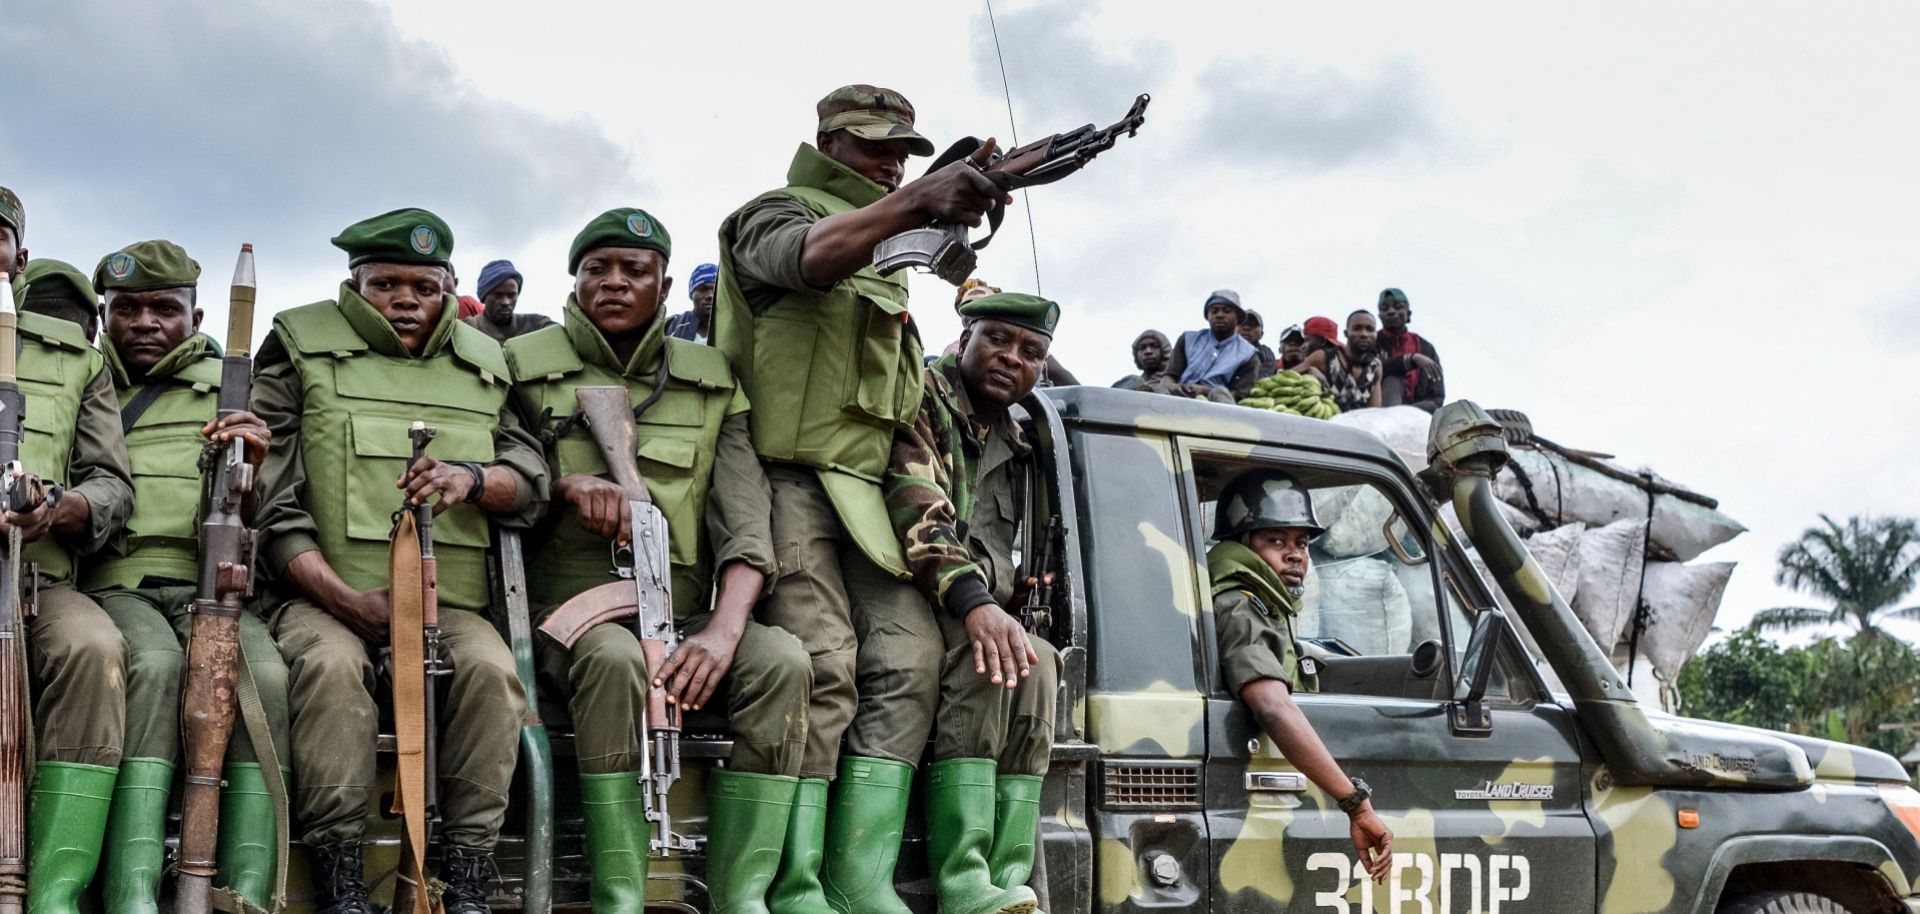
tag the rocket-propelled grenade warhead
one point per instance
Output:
(240, 315)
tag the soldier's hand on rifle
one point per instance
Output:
(1001, 650)
(601, 506)
(1372, 841)
(696, 667)
(33, 525)
(429, 477)
(242, 426)
(1026, 587)
(959, 192)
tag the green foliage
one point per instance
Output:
(1863, 568)
(1840, 690)
(1747, 679)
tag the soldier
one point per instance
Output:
(167, 377)
(56, 288)
(1258, 565)
(338, 384)
(830, 359)
(953, 496)
(695, 454)
(72, 438)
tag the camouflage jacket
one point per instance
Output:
(933, 488)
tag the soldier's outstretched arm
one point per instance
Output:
(839, 246)
(1280, 718)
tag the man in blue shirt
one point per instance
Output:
(1217, 356)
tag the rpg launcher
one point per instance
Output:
(210, 702)
(644, 593)
(945, 249)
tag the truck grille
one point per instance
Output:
(1150, 785)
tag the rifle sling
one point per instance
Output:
(409, 700)
(253, 715)
(133, 409)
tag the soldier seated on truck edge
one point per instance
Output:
(1258, 566)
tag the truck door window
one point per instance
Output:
(1369, 617)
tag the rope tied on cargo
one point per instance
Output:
(1640, 595)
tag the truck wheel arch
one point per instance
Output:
(1845, 869)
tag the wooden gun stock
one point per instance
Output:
(610, 416)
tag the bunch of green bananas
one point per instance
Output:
(1293, 393)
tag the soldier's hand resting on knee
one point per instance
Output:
(601, 506)
(1001, 649)
(694, 671)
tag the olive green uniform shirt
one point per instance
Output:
(1253, 620)
(100, 469)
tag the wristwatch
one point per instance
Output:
(1361, 793)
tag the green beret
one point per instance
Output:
(403, 236)
(1017, 308)
(145, 266)
(625, 227)
(48, 279)
(13, 213)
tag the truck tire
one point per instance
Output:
(1781, 903)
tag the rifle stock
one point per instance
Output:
(416, 662)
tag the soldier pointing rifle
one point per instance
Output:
(167, 376)
(339, 383)
(831, 358)
(697, 464)
(76, 655)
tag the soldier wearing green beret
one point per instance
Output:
(695, 453)
(953, 493)
(77, 658)
(56, 288)
(831, 360)
(167, 377)
(338, 383)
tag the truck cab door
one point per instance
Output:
(1484, 818)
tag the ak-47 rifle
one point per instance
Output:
(416, 662)
(20, 492)
(1037, 614)
(944, 248)
(210, 702)
(644, 592)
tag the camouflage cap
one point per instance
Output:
(13, 213)
(403, 236)
(144, 266)
(625, 227)
(1016, 308)
(872, 113)
(49, 279)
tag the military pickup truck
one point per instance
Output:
(1502, 796)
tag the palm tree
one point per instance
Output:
(1863, 569)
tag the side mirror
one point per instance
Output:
(1468, 714)
(1401, 539)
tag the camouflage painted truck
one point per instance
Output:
(1503, 796)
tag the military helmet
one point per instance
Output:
(1262, 499)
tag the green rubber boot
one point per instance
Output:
(864, 825)
(248, 848)
(617, 840)
(1016, 814)
(66, 821)
(796, 888)
(136, 845)
(746, 828)
(960, 806)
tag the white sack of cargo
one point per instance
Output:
(1565, 491)
(1609, 588)
(1558, 553)
(1682, 601)
(1403, 428)
(1359, 601)
(1356, 518)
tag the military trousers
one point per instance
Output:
(155, 622)
(336, 722)
(79, 665)
(978, 719)
(874, 643)
(605, 679)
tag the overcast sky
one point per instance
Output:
(1684, 235)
